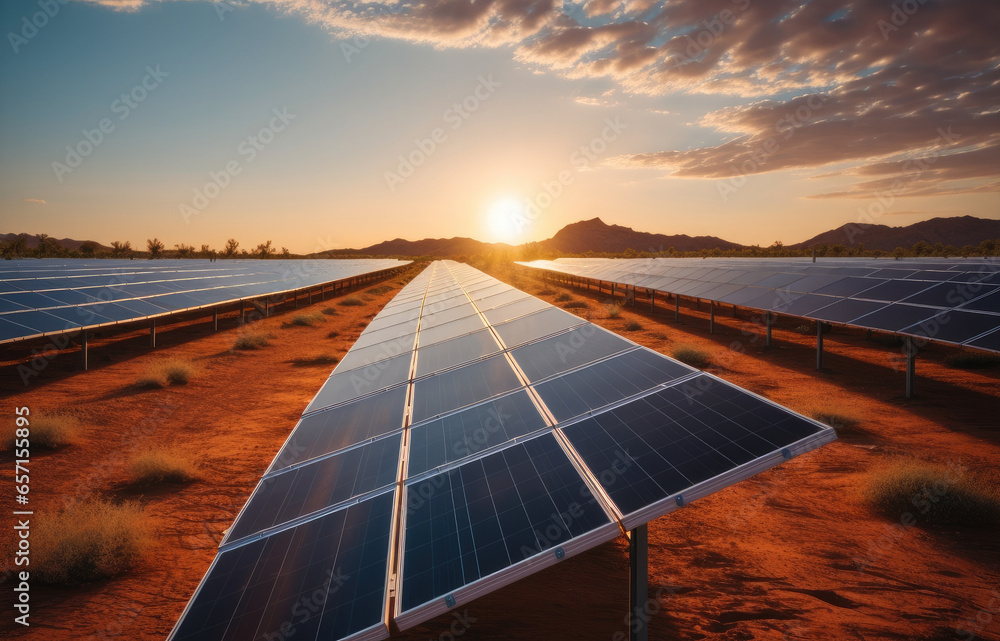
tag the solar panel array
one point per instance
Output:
(473, 435)
(954, 302)
(50, 296)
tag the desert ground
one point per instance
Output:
(793, 553)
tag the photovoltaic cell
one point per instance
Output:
(447, 354)
(472, 430)
(329, 481)
(470, 522)
(327, 575)
(608, 381)
(534, 326)
(567, 351)
(466, 385)
(662, 444)
(334, 429)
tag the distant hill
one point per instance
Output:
(425, 247)
(957, 231)
(597, 236)
(32, 241)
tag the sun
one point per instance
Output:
(506, 219)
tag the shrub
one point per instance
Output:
(693, 356)
(329, 311)
(563, 297)
(968, 360)
(351, 301)
(173, 371)
(614, 310)
(548, 291)
(251, 337)
(378, 290)
(333, 334)
(91, 540)
(632, 326)
(576, 304)
(162, 466)
(49, 431)
(307, 320)
(317, 359)
(933, 494)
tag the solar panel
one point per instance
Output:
(860, 292)
(517, 439)
(141, 289)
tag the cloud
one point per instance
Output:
(37, 201)
(891, 75)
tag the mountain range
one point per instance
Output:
(595, 235)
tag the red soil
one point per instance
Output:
(776, 556)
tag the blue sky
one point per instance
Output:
(325, 179)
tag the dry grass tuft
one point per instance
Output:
(632, 326)
(575, 304)
(307, 320)
(48, 431)
(351, 301)
(172, 371)
(87, 541)
(323, 358)
(378, 290)
(329, 311)
(933, 494)
(614, 310)
(563, 297)
(252, 337)
(693, 356)
(846, 423)
(162, 465)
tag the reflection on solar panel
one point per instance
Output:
(487, 436)
(50, 296)
(915, 297)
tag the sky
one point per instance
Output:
(319, 124)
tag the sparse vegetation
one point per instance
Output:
(933, 494)
(632, 326)
(162, 466)
(333, 334)
(548, 291)
(351, 301)
(87, 541)
(252, 337)
(49, 431)
(323, 358)
(329, 311)
(307, 320)
(693, 356)
(614, 310)
(174, 371)
(378, 290)
(575, 304)
(563, 297)
(969, 360)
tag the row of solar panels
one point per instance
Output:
(471, 436)
(947, 301)
(39, 297)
